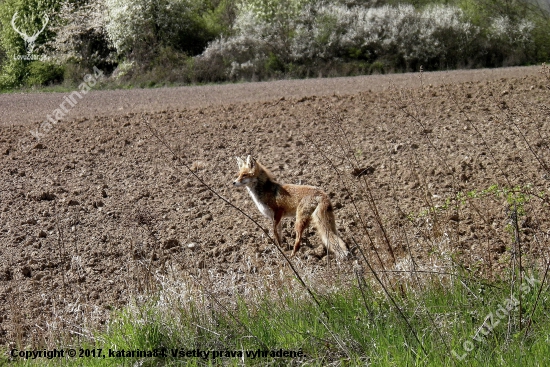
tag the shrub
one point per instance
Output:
(81, 38)
(275, 37)
(43, 73)
(13, 74)
(396, 35)
(541, 36)
(3, 56)
(510, 41)
(514, 31)
(139, 29)
(233, 57)
(446, 38)
(31, 17)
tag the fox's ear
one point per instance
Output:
(240, 162)
(250, 162)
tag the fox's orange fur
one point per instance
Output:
(276, 201)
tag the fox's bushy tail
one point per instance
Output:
(323, 220)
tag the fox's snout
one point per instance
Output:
(241, 181)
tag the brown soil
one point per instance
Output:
(30, 108)
(97, 208)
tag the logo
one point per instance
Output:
(29, 40)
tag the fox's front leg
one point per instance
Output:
(278, 229)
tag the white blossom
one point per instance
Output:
(331, 31)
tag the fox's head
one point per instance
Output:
(248, 172)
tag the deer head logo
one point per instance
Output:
(29, 40)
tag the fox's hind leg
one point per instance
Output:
(303, 218)
(300, 226)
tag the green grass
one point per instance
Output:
(516, 197)
(353, 326)
(108, 84)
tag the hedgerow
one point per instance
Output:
(218, 40)
(401, 37)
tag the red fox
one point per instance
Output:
(276, 201)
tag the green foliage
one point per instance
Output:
(517, 13)
(43, 73)
(31, 15)
(377, 67)
(158, 37)
(217, 17)
(206, 20)
(3, 56)
(515, 197)
(270, 10)
(541, 35)
(140, 29)
(274, 65)
(420, 3)
(12, 74)
(481, 11)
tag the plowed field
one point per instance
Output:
(98, 209)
